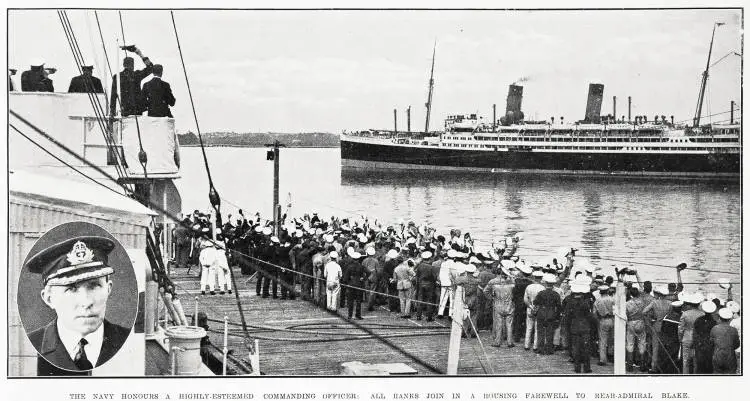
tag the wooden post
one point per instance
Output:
(276, 216)
(620, 326)
(226, 346)
(457, 314)
(255, 360)
(195, 314)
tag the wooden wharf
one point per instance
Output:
(297, 337)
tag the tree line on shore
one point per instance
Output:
(260, 139)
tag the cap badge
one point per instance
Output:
(80, 254)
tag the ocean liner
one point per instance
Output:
(653, 146)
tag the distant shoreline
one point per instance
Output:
(217, 145)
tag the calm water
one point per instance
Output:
(611, 221)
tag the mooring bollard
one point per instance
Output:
(184, 346)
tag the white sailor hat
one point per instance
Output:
(677, 303)
(426, 255)
(603, 288)
(724, 283)
(734, 306)
(73, 260)
(392, 253)
(362, 238)
(661, 289)
(38, 62)
(451, 253)
(275, 239)
(319, 231)
(370, 251)
(328, 238)
(267, 230)
(411, 240)
(469, 268)
(508, 264)
(693, 298)
(725, 313)
(579, 288)
(474, 260)
(708, 307)
(524, 268)
(258, 229)
(333, 255)
(355, 255)
(549, 278)
(537, 273)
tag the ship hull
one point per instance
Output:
(356, 155)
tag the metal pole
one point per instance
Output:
(408, 119)
(494, 116)
(457, 314)
(614, 107)
(195, 314)
(731, 112)
(226, 349)
(276, 214)
(620, 322)
(395, 121)
(630, 100)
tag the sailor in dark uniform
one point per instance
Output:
(130, 84)
(86, 82)
(36, 78)
(157, 95)
(77, 284)
(11, 86)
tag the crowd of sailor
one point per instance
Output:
(560, 304)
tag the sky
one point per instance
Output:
(335, 70)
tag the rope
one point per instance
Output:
(95, 103)
(192, 104)
(142, 157)
(481, 346)
(101, 37)
(166, 213)
(62, 161)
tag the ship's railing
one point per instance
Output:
(157, 138)
(70, 119)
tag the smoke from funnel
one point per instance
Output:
(522, 80)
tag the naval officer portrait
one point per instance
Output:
(77, 283)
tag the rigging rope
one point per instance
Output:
(213, 195)
(142, 156)
(93, 99)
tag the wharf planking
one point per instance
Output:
(298, 338)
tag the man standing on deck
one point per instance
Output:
(548, 308)
(374, 270)
(354, 276)
(519, 311)
(532, 334)
(655, 313)
(183, 238)
(425, 286)
(86, 82)
(157, 95)
(130, 85)
(604, 313)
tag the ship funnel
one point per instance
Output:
(513, 113)
(594, 104)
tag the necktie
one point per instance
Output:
(81, 361)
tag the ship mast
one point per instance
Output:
(699, 107)
(429, 93)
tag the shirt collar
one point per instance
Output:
(71, 338)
